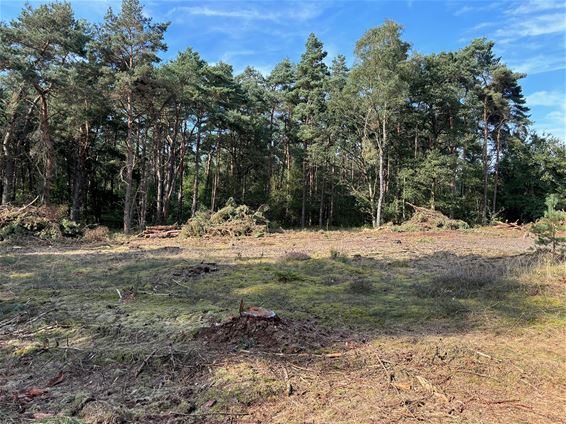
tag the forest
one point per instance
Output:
(376, 237)
(94, 120)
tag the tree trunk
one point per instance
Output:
(129, 168)
(49, 173)
(216, 178)
(159, 174)
(196, 180)
(304, 194)
(321, 207)
(331, 210)
(377, 222)
(79, 174)
(142, 219)
(9, 174)
(496, 175)
(181, 178)
(381, 175)
(484, 162)
(171, 162)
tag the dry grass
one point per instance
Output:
(97, 233)
(436, 327)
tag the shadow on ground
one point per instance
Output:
(112, 320)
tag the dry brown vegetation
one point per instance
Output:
(376, 326)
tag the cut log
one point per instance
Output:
(161, 231)
(258, 312)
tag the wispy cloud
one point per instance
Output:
(534, 6)
(547, 98)
(533, 26)
(301, 13)
(463, 10)
(230, 55)
(475, 8)
(554, 120)
(538, 64)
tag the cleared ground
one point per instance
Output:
(377, 326)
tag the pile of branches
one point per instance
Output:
(425, 219)
(161, 231)
(231, 221)
(45, 222)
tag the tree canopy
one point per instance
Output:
(92, 119)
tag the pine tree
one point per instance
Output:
(129, 43)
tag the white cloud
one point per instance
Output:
(463, 10)
(533, 26)
(229, 55)
(539, 64)
(553, 121)
(301, 13)
(547, 98)
(534, 6)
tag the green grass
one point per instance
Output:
(328, 289)
(69, 298)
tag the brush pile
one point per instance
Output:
(231, 221)
(428, 219)
(45, 222)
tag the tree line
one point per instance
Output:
(92, 119)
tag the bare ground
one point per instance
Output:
(376, 326)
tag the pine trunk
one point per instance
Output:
(129, 168)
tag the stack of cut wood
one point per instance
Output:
(161, 231)
(508, 225)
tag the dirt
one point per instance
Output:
(269, 335)
(195, 271)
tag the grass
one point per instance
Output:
(60, 308)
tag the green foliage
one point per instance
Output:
(90, 118)
(549, 229)
(70, 228)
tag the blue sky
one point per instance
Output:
(530, 35)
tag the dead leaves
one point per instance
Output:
(30, 394)
(58, 379)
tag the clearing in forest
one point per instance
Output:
(375, 326)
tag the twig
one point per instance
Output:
(478, 374)
(204, 414)
(498, 402)
(179, 284)
(288, 382)
(23, 208)
(140, 369)
(395, 387)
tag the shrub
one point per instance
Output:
(547, 228)
(97, 233)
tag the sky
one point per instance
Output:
(530, 35)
